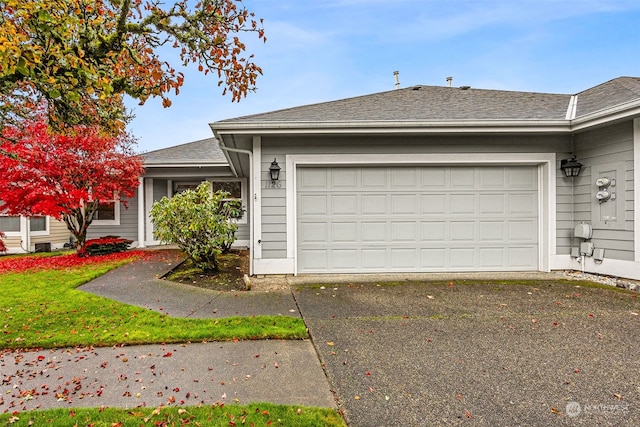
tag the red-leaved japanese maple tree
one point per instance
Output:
(65, 176)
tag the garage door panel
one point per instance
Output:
(312, 204)
(314, 259)
(433, 231)
(404, 178)
(344, 259)
(374, 178)
(404, 231)
(374, 204)
(374, 232)
(491, 177)
(417, 219)
(462, 258)
(492, 231)
(433, 258)
(462, 231)
(523, 230)
(344, 204)
(522, 204)
(315, 178)
(344, 178)
(434, 204)
(491, 258)
(492, 204)
(403, 258)
(314, 232)
(521, 258)
(344, 232)
(463, 204)
(463, 178)
(375, 259)
(522, 178)
(404, 204)
(435, 178)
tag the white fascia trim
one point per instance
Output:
(547, 184)
(395, 127)
(636, 188)
(619, 112)
(609, 267)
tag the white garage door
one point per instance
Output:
(417, 219)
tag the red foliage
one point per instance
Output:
(53, 174)
(60, 262)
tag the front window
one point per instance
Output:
(39, 224)
(108, 213)
(10, 224)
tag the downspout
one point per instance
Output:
(252, 201)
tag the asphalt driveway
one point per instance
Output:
(468, 353)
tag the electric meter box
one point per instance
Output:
(582, 231)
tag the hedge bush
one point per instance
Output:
(105, 245)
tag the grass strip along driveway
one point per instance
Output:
(40, 307)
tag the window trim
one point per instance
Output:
(13, 233)
(23, 220)
(116, 220)
(47, 227)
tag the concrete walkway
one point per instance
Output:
(277, 371)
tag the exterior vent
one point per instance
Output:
(416, 88)
(465, 87)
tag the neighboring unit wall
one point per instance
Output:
(607, 152)
(128, 228)
(58, 235)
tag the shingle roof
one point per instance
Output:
(205, 151)
(609, 94)
(438, 103)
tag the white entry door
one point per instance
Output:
(417, 219)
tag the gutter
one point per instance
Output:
(393, 127)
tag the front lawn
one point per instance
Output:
(258, 414)
(41, 308)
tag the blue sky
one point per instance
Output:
(323, 50)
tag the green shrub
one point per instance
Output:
(200, 222)
(105, 245)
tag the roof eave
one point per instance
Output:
(409, 127)
(608, 115)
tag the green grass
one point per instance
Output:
(259, 414)
(43, 309)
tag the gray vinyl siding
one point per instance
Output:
(128, 227)
(159, 189)
(274, 234)
(607, 147)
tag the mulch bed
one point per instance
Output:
(229, 277)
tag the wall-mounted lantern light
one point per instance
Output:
(274, 172)
(570, 167)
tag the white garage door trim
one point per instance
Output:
(546, 185)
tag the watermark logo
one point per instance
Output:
(575, 409)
